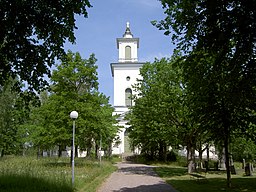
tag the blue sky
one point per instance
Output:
(107, 21)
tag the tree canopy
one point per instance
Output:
(75, 87)
(218, 41)
(32, 36)
(156, 115)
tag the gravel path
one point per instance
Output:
(135, 178)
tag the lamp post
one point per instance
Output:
(73, 115)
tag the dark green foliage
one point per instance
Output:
(218, 40)
(32, 35)
(243, 148)
(172, 156)
(12, 114)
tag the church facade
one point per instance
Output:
(125, 73)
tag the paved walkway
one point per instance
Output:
(135, 178)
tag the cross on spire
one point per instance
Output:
(128, 25)
(128, 33)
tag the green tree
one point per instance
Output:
(74, 83)
(12, 114)
(37, 131)
(97, 125)
(161, 116)
(75, 87)
(32, 35)
(218, 41)
(155, 118)
(243, 148)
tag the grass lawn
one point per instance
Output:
(23, 174)
(214, 181)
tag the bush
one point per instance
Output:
(172, 156)
(182, 161)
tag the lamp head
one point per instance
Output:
(73, 115)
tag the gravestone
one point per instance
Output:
(243, 164)
(232, 167)
(248, 169)
(233, 170)
(45, 154)
(206, 164)
(216, 165)
(223, 160)
(195, 166)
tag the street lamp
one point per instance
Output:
(73, 115)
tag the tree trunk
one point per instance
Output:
(161, 152)
(208, 152)
(59, 151)
(76, 150)
(152, 153)
(223, 159)
(96, 151)
(226, 144)
(200, 150)
(89, 152)
(109, 150)
(71, 156)
(23, 151)
(39, 152)
(89, 148)
(2, 152)
(165, 153)
(226, 126)
(190, 158)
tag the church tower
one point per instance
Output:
(125, 73)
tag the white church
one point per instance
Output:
(125, 73)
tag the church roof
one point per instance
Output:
(127, 33)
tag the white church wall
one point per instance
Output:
(121, 83)
(125, 74)
(133, 46)
(65, 153)
(119, 149)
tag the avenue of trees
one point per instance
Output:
(211, 97)
(203, 95)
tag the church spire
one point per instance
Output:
(128, 46)
(128, 33)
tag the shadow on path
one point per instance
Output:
(138, 170)
(144, 188)
(135, 178)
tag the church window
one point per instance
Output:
(128, 97)
(128, 52)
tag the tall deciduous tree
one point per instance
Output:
(74, 83)
(32, 35)
(218, 40)
(156, 115)
(75, 87)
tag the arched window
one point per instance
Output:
(128, 52)
(128, 97)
